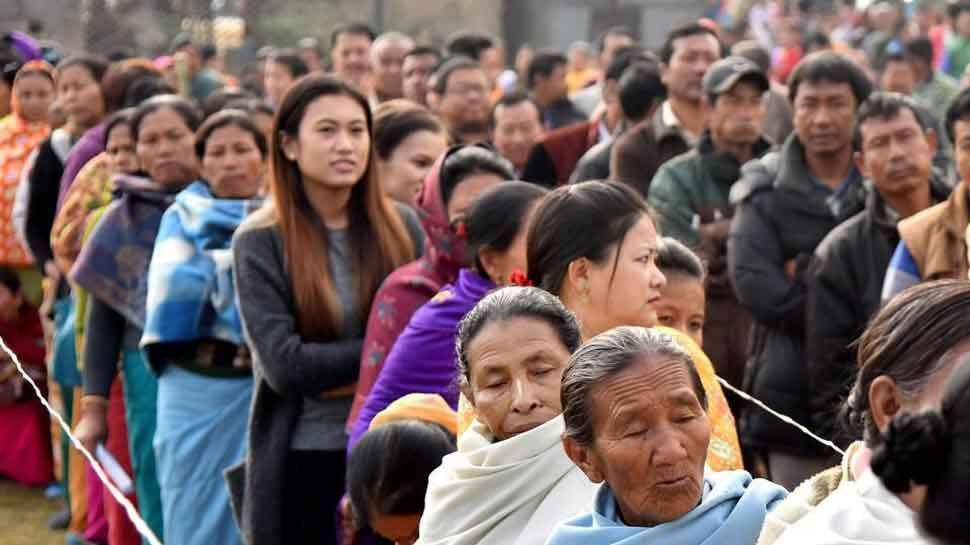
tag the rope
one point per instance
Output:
(784, 418)
(136, 519)
(144, 530)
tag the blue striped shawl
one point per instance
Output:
(191, 294)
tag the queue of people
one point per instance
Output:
(422, 298)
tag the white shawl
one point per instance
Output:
(861, 512)
(512, 492)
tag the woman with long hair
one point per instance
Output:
(594, 245)
(113, 269)
(307, 266)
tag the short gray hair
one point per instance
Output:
(515, 302)
(607, 355)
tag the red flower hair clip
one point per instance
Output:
(519, 278)
(461, 230)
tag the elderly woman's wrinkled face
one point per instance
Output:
(515, 368)
(651, 435)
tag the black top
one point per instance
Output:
(45, 185)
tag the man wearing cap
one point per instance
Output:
(691, 195)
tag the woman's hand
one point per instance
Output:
(92, 427)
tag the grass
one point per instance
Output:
(23, 516)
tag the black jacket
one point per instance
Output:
(844, 292)
(45, 183)
(781, 215)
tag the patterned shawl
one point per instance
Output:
(18, 138)
(113, 265)
(191, 294)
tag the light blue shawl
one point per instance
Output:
(732, 511)
(191, 294)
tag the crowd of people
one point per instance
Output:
(417, 295)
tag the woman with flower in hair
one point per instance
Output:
(423, 358)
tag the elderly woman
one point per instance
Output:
(907, 357)
(636, 419)
(510, 482)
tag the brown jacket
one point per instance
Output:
(553, 159)
(936, 237)
(640, 151)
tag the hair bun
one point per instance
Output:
(912, 451)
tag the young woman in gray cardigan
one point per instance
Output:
(307, 267)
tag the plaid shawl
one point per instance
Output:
(191, 294)
(113, 264)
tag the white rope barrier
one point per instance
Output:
(784, 418)
(136, 519)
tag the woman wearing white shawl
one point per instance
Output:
(906, 358)
(510, 482)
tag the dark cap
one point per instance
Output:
(724, 74)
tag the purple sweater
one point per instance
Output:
(423, 357)
(90, 145)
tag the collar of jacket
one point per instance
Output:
(662, 130)
(957, 214)
(876, 205)
(722, 166)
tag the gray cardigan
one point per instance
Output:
(286, 369)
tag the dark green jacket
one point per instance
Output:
(693, 188)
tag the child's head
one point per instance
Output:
(119, 144)
(682, 301)
(11, 298)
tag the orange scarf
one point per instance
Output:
(18, 138)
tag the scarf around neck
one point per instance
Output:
(861, 511)
(113, 264)
(732, 510)
(511, 492)
(191, 294)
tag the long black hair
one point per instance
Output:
(581, 220)
(497, 217)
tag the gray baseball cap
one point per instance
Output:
(724, 74)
